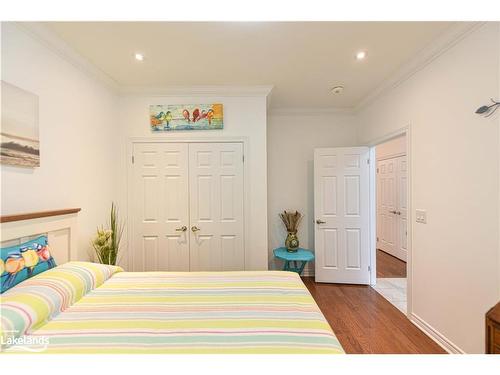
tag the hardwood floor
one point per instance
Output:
(365, 322)
(389, 266)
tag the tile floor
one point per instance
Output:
(393, 290)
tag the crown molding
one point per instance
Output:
(215, 90)
(293, 111)
(50, 39)
(53, 42)
(443, 43)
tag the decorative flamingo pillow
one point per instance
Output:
(20, 262)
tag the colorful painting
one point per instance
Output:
(186, 117)
(19, 144)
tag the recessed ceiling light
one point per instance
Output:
(139, 56)
(337, 89)
(360, 55)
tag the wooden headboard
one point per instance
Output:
(60, 226)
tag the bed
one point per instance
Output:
(81, 307)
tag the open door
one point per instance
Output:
(342, 215)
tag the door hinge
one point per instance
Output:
(367, 161)
(243, 158)
(377, 170)
(377, 239)
(133, 160)
(369, 268)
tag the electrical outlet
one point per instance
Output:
(421, 216)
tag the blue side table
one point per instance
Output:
(301, 255)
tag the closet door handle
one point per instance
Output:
(195, 228)
(320, 221)
(181, 229)
(394, 212)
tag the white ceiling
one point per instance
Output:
(302, 60)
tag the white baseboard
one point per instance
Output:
(425, 327)
(435, 335)
(277, 266)
(307, 273)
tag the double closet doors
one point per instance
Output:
(392, 196)
(186, 204)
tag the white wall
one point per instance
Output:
(292, 139)
(455, 164)
(77, 144)
(391, 148)
(244, 116)
(84, 130)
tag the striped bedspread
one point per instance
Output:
(193, 312)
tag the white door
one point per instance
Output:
(392, 197)
(387, 205)
(216, 206)
(402, 209)
(341, 207)
(160, 207)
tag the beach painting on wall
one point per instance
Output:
(19, 144)
(186, 117)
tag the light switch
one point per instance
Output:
(421, 216)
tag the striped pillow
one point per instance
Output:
(35, 301)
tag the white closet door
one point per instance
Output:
(387, 205)
(392, 197)
(402, 248)
(160, 207)
(216, 206)
(341, 209)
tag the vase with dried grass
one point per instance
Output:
(291, 221)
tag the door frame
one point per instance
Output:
(406, 130)
(184, 139)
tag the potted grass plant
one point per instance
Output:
(291, 221)
(106, 242)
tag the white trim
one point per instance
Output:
(444, 42)
(43, 34)
(440, 45)
(184, 139)
(211, 91)
(246, 182)
(284, 111)
(392, 156)
(61, 230)
(308, 272)
(435, 335)
(410, 216)
(389, 136)
(498, 118)
(372, 191)
(56, 44)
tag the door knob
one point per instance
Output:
(318, 221)
(393, 212)
(398, 213)
(195, 228)
(182, 229)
